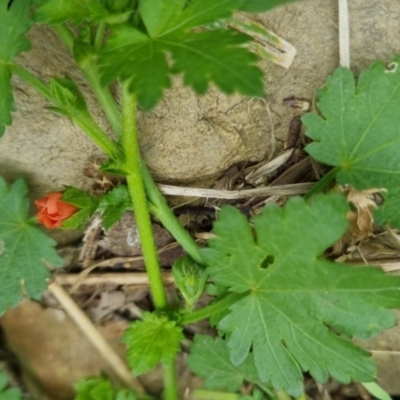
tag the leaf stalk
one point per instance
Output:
(214, 308)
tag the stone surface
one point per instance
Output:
(187, 138)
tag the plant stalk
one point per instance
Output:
(88, 125)
(83, 120)
(159, 206)
(31, 80)
(92, 75)
(160, 209)
(214, 308)
(170, 381)
(139, 200)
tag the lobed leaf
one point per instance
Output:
(114, 204)
(358, 131)
(15, 22)
(255, 6)
(300, 310)
(25, 251)
(209, 359)
(85, 202)
(78, 11)
(100, 389)
(152, 340)
(140, 58)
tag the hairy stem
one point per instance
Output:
(31, 80)
(159, 206)
(170, 381)
(65, 35)
(160, 209)
(214, 308)
(138, 196)
(82, 119)
(98, 41)
(199, 394)
(88, 125)
(92, 75)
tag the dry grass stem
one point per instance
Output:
(123, 278)
(254, 173)
(95, 337)
(283, 190)
(344, 36)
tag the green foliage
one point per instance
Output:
(25, 251)
(190, 278)
(67, 96)
(150, 341)
(358, 131)
(85, 202)
(15, 22)
(209, 359)
(139, 56)
(100, 389)
(262, 5)
(294, 296)
(8, 394)
(114, 204)
(78, 11)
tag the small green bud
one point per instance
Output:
(190, 278)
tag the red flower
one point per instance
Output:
(53, 211)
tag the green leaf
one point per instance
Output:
(209, 359)
(78, 11)
(15, 22)
(358, 132)
(140, 58)
(100, 389)
(25, 251)
(255, 6)
(67, 96)
(141, 62)
(150, 341)
(88, 205)
(8, 394)
(297, 303)
(114, 204)
(159, 14)
(377, 391)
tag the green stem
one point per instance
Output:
(282, 395)
(138, 196)
(199, 394)
(65, 35)
(98, 40)
(170, 381)
(214, 308)
(160, 209)
(92, 75)
(322, 183)
(32, 80)
(159, 206)
(88, 125)
(82, 119)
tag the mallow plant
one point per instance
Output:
(279, 307)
